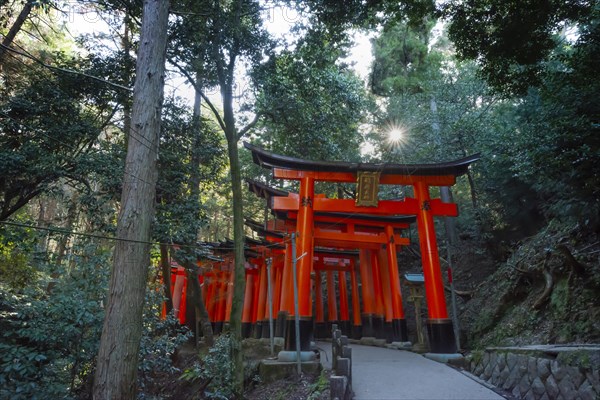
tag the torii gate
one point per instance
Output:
(419, 176)
(281, 281)
(382, 315)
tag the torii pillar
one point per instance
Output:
(304, 255)
(399, 328)
(439, 326)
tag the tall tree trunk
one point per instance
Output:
(239, 285)
(116, 369)
(201, 313)
(12, 33)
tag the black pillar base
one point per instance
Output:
(356, 332)
(280, 326)
(306, 327)
(399, 330)
(378, 327)
(218, 327)
(246, 329)
(367, 325)
(321, 330)
(257, 333)
(389, 331)
(345, 327)
(266, 333)
(441, 336)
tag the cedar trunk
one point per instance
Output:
(202, 317)
(116, 369)
(239, 285)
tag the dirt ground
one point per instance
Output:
(312, 387)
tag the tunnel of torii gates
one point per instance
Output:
(332, 237)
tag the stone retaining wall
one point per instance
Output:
(541, 372)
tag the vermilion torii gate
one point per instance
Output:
(419, 176)
(377, 238)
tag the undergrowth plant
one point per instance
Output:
(216, 368)
(160, 338)
(50, 333)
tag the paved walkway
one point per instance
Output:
(384, 374)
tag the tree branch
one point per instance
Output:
(63, 70)
(250, 125)
(192, 81)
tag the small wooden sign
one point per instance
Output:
(367, 189)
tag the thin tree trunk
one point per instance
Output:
(116, 369)
(165, 267)
(12, 33)
(201, 313)
(200, 307)
(216, 226)
(473, 191)
(61, 248)
(474, 200)
(64, 240)
(42, 243)
(229, 226)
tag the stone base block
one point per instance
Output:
(271, 370)
(400, 345)
(292, 356)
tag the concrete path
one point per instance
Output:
(384, 374)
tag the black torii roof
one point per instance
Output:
(270, 160)
(260, 229)
(263, 190)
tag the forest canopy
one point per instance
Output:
(513, 80)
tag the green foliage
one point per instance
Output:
(49, 339)
(39, 145)
(319, 386)
(402, 59)
(512, 40)
(313, 106)
(160, 339)
(215, 367)
(180, 215)
(50, 333)
(16, 255)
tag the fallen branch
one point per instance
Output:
(520, 270)
(547, 289)
(575, 265)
